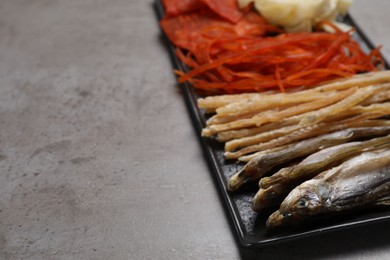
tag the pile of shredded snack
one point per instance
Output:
(307, 112)
(236, 50)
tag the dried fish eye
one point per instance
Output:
(302, 203)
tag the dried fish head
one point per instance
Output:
(248, 174)
(306, 200)
(252, 171)
(267, 197)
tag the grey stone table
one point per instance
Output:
(98, 156)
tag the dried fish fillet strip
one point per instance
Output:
(259, 104)
(249, 135)
(211, 103)
(361, 80)
(311, 131)
(276, 115)
(359, 96)
(248, 132)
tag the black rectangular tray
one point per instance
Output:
(249, 225)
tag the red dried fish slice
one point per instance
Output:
(227, 9)
(178, 7)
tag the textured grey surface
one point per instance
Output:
(98, 157)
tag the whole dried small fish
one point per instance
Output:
(275, 188)
(361, 182)
(262, 164)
